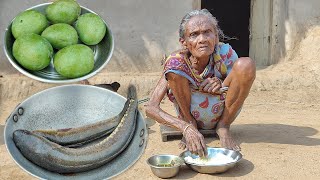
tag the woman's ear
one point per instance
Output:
(184, 46)
(183, 42)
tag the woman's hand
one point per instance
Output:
(211, 85)
(194, 141)
(182, 144)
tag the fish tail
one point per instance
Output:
(132, 92)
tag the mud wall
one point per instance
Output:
(290, 22)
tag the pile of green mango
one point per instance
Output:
(62, 28)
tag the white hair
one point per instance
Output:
(204, 12)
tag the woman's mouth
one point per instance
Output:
(203, 48)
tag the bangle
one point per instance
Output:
(186, 128)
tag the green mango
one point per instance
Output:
(91, 28)
(60, 35)
(32, 51)
(27, 22)
(74, 61)
(63, 11)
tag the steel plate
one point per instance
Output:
(72, 106)
(102, 54)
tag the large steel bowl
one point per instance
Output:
(165, 166)
(102, 54)
(236, 156)
(73, 106)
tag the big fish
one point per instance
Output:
(74, 137)
(60, 159)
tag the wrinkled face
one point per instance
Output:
(200, 36)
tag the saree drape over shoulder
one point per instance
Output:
(206, 108)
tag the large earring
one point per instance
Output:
(185, 47)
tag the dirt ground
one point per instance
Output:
(278, 128)
(278, 131)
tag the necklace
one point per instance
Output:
(194, 60)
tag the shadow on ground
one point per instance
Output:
(150, 123)
(267, 133)
(275, 133)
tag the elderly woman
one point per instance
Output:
(206, 81)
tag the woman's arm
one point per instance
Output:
(181, 91)
(154, 111)
(194, 139)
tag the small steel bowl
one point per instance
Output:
(165, 166)
(102, 54)
(220, 167)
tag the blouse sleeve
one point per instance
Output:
(175, 63)
(228, 56)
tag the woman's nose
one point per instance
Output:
(202, 38)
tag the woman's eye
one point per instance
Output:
(207, 31)
(193, 35)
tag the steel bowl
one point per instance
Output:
(70, 106)
(219, 167)
(165, 166)
(102, 54)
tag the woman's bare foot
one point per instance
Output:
(226, 139)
